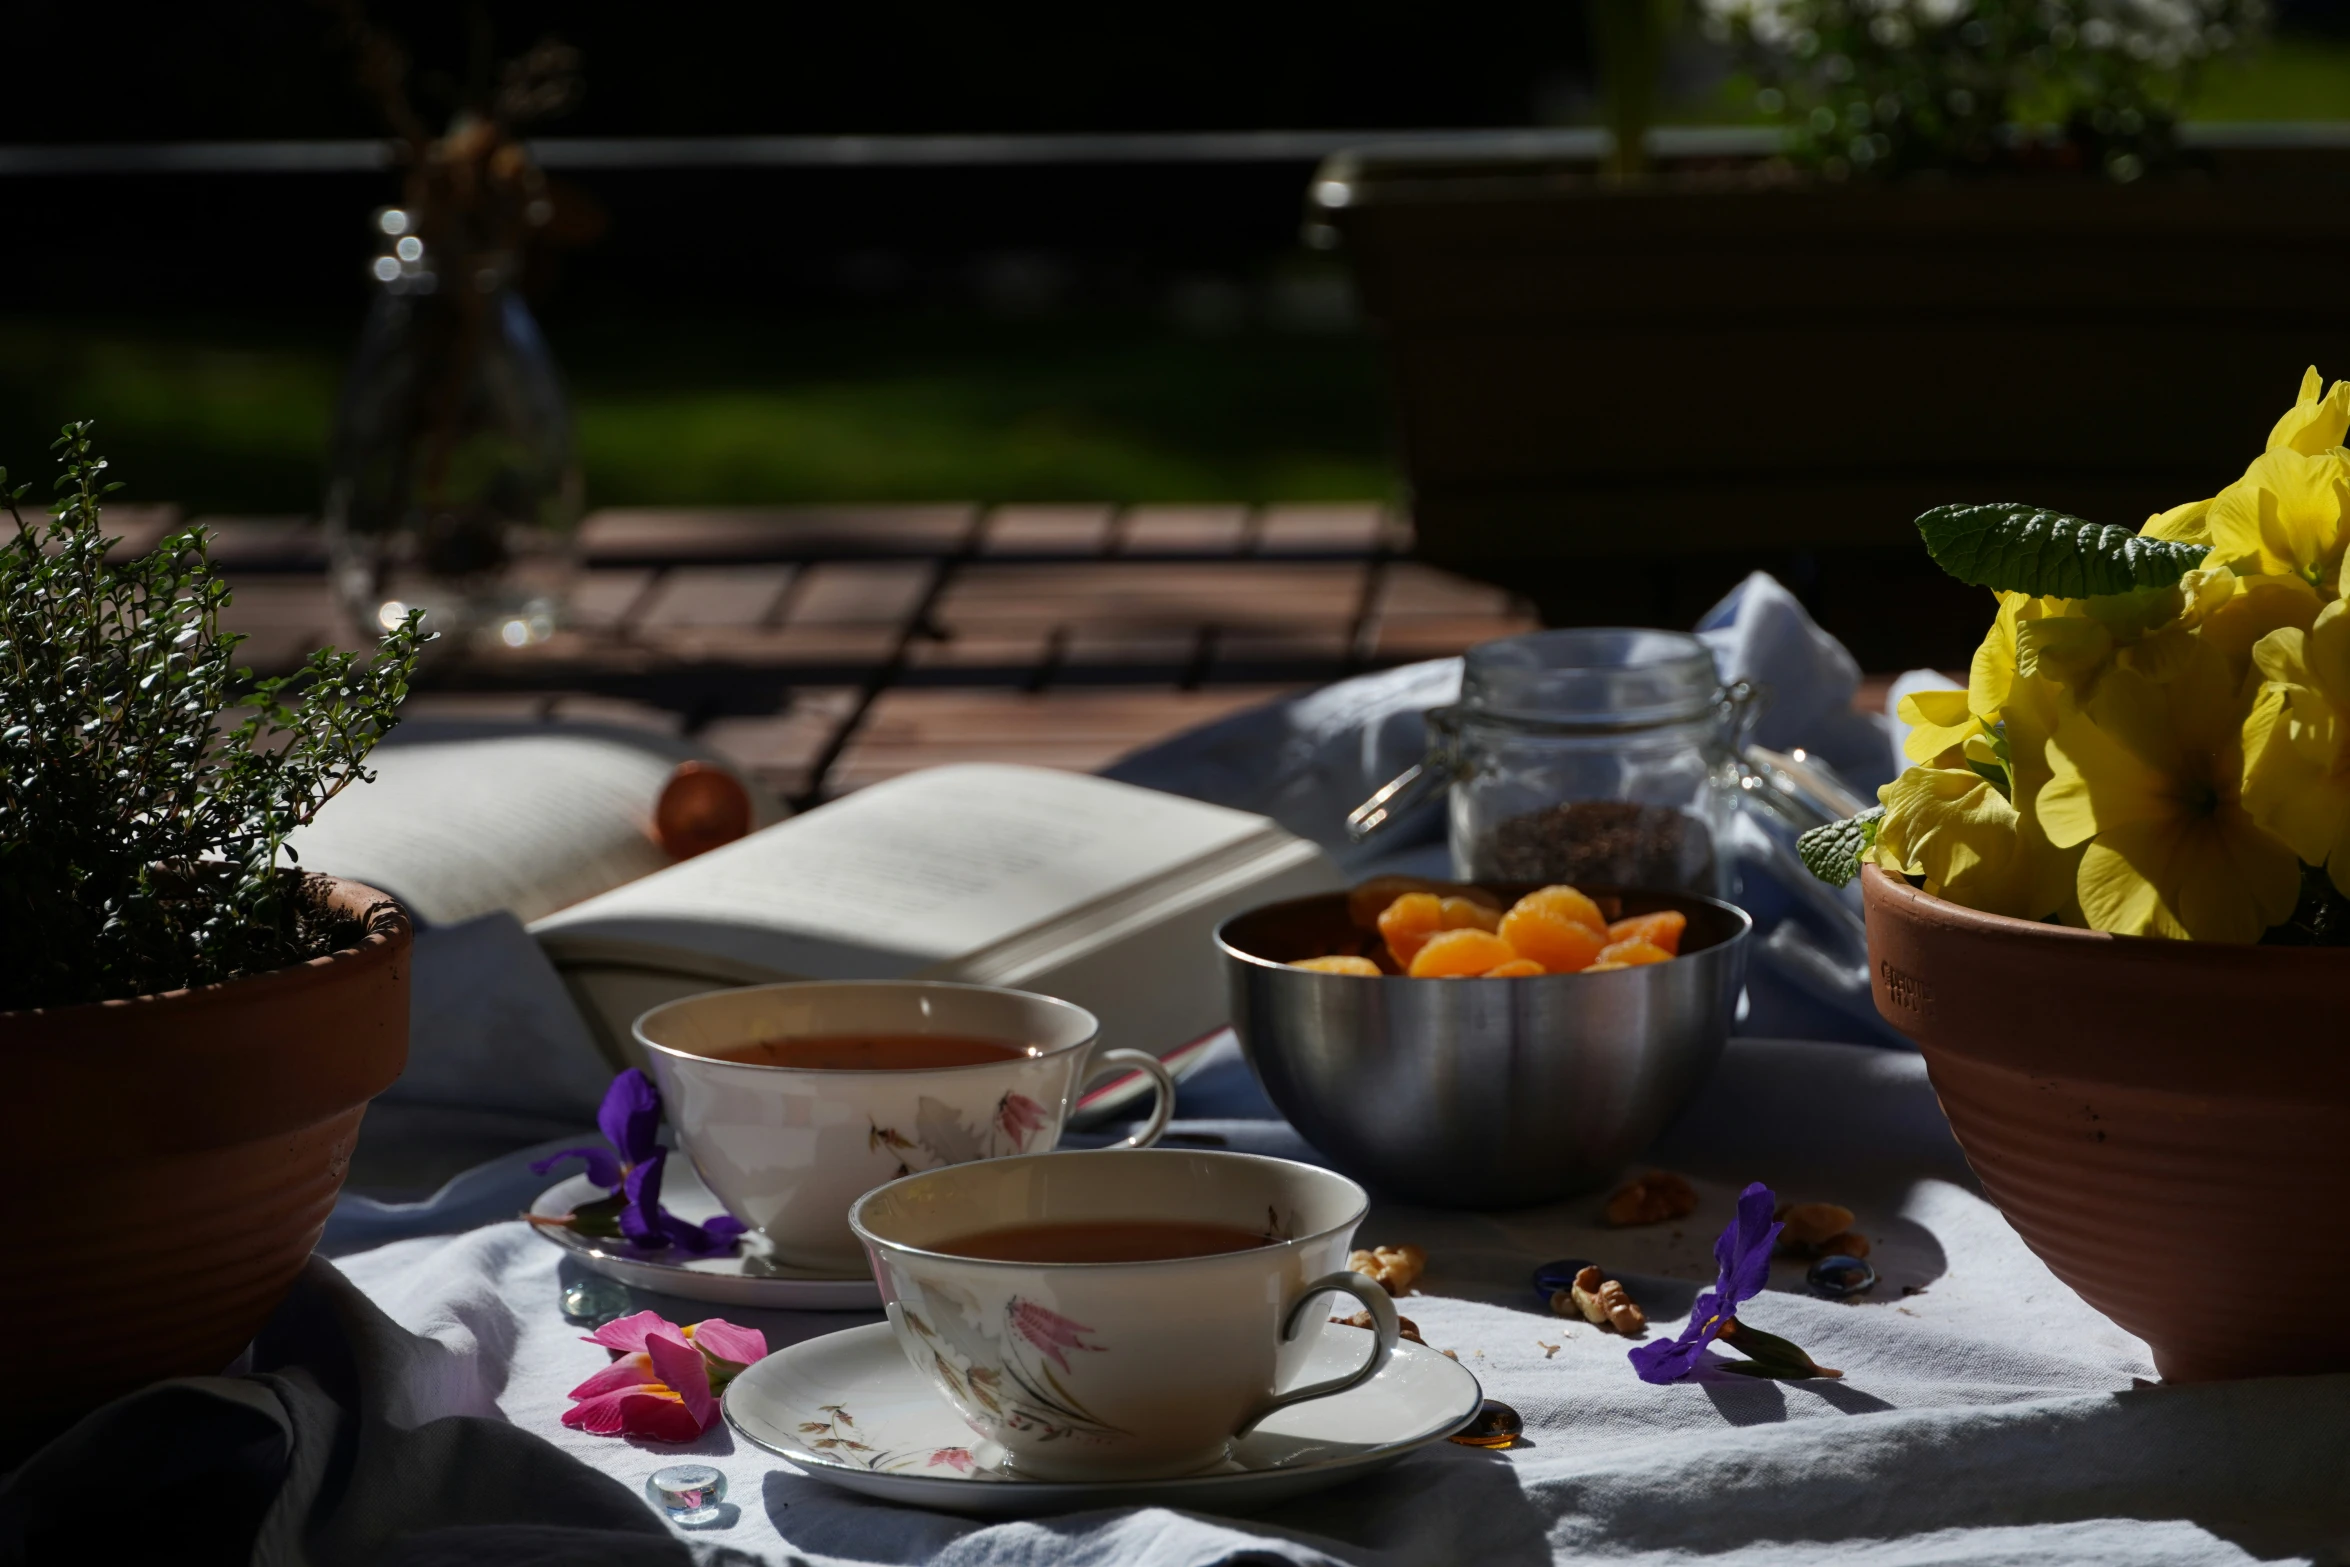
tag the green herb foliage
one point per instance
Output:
(147, 785)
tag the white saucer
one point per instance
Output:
(750, 1276)
(809, 1402)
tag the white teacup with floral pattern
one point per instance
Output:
(787, 1149)
(1120, 1370)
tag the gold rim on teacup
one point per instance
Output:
(1092, 1025)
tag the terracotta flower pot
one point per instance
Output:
(172, 1160)
(2166, 1123)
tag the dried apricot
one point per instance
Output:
(1453, 953)
(1469, 914)
(1339, 965)
(1631, 954)
(1516, 968)
(1661, 929)
(1564, 902)
(1410, 920)
(1407, 923)
(1561, 946)
(1367, 899)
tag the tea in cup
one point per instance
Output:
(794, 1100)
(1120, 1316)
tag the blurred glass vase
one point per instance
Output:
(453, 487)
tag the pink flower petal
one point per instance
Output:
(598, 1416)
(955, 1458)
(658, 1419)
(627, 1371)
(688, 1376)
(628, 1334)
(722, 1339)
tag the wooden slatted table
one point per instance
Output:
(826, 647)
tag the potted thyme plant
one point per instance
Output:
(2111, 900)
(1972, 232)
(190, 1024)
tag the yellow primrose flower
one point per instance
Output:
(1939, 723)
(2149, 776)
(2316, 421)
(2284, 517)
(2188, 524)
(1950, 826)
(2297, 741)
(2242, 610)
(1942, 721)
(2072, 642)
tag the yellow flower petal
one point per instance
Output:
(1950, 826)
(2118, 880)
(2316, 420)
(2284, 517)
(1938, 720)
(2181, 524)
(2071, 650)
(2254, 607)
(2096, 783)
(2231, 881)
(2289, 791)
(2328, 653)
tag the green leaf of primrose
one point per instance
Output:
(2012, 548)
(1833, 853)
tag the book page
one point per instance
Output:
(524, 823)
(907, 873)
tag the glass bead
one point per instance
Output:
(1495, 1425)
(688, 1493)
(1838, 1276)
(593, 1300)
(1552, 1277)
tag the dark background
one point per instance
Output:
(1140, 330)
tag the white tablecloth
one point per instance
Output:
(1987, 1414)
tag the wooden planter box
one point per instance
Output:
(1610, 394)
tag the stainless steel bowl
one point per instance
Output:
(1480, 1093)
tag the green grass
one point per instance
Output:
(228, 416)
(2286, 79)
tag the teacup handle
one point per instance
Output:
(1383, 1339)
(1162, 1085)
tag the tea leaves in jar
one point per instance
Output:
(1599, 842)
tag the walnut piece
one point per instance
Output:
(1655, 1197)
(1393, 1268)
(1819, 1229)
(1404, 1326)
(1601, 1302)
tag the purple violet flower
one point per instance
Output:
(630, 1119)
(1742, 1259)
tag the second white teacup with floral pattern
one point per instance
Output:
(787, 1148)
(1143, 1359)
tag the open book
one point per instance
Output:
(1101, 893)
(465, 819)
